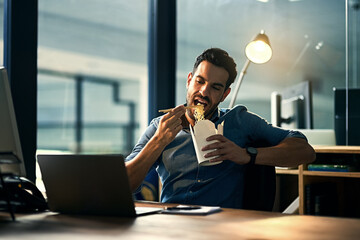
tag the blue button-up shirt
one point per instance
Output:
(184, 181)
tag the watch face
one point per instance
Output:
(252, 150)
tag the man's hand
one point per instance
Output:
(290, 152)
(170, 125)
(225, 150)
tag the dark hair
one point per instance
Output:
(219, 58)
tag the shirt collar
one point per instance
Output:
(215, 116)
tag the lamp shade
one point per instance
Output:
(259, 50)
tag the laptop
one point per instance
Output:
(89, 184)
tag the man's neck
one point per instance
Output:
(186, 120)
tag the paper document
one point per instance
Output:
(191, 210)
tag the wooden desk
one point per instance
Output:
(228, 224)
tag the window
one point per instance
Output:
(92, 75)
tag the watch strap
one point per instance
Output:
(253, 153)
(252, 159)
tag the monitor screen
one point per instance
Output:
(11, 158)
(292, 108)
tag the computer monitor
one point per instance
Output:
(292, 108)
(11, 158)
(347, 123)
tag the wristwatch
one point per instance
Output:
(252, 152)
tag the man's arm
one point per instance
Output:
(169, 127)
(290, 152)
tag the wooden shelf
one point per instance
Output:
(287, 171)
(325, 153)
(332, 174)
(337, 149)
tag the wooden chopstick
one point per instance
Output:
(188, 107)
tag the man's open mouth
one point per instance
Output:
(200, 101)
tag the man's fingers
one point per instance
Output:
(174, 114)
(218, 137)
(173, 118)
(216, 145)
(212, 154)
(175, 123)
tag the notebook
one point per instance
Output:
(89, 184)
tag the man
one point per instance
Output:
(249, 148)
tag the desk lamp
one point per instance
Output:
(257, 51)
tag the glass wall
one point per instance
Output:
(307, 38)
(92, 75)
(353, 27)
(2, 32)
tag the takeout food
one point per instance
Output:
(202, 129)
(187, 107)
(199, 133)
(199, 113)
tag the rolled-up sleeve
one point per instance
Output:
(144, 139)
(297, 134)
(260, 130)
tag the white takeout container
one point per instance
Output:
(202, 130)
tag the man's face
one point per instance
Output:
(207, 87)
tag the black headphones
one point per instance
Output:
(23, 195)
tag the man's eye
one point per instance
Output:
(200, 81)
(216, 88)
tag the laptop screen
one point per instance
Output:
(87, 184)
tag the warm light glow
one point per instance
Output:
(258, 51)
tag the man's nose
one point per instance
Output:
(204, 90)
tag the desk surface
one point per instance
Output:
(227, 224)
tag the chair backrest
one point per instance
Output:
(260, 188)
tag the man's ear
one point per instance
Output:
(226, 93)
(189, 77)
